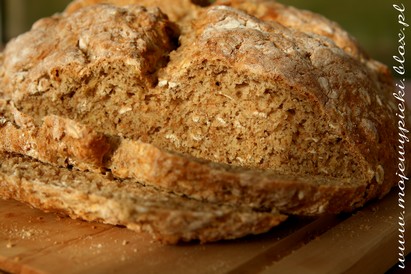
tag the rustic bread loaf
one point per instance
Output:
(243, 102)
(94, 197)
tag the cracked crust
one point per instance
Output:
(181, 11)
(301, 20)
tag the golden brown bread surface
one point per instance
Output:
(180, 12)
(247, 103)
(302, 20)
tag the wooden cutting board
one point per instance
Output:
(364, 242)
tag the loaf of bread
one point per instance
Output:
(245, 104)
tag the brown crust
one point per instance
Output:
(301, 20)
(180, 12)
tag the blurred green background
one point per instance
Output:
(373, 23)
